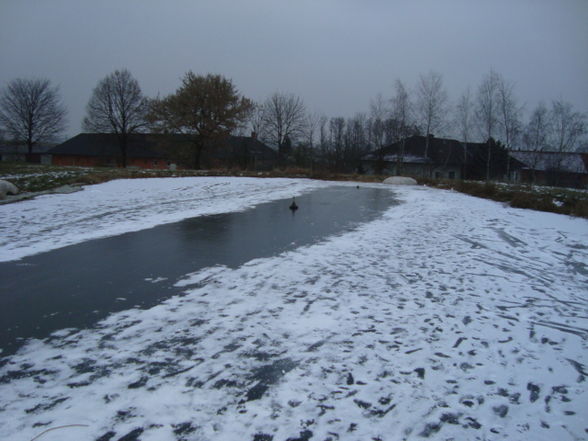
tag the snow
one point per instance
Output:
(449, 317)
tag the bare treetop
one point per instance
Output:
(536, 133)
(431, 103)
(567, 126)
(31, 111)
(487, 105)
(284, 117)
(464, 116)
(117, 105)
(509, 112)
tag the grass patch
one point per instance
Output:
(34, 177)
(551, 199)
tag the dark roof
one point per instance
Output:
(440, 151)
(570, 162)
(228, 147)
(140, 145)
(149, 145)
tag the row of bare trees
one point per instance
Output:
(208, 106)
(491, 113)
(203, 106)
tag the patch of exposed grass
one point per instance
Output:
(550, 199)
(32, 177)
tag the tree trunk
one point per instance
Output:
(465, 160)
(197, 154)
(123, 150)
(430, 170)
(488, 159)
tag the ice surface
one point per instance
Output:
(450, 317)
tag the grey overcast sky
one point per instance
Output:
(335, 54)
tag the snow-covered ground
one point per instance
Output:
(449, 317)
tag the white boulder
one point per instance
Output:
(400, 180)
(7, 188)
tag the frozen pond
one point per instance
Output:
(75, 286)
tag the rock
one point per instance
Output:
(7, 188)
(400, 180)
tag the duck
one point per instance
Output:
(293, 205)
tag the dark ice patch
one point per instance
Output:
(133, 435)
(501, 410)
(533, 392)
(107, 436)
(430, 429)
(139, 383)
(305, 435)
(420, 372)
(268, 375)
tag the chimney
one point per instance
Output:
(253, 135)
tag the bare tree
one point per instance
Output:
(284, 117)
(402, 116)
(535, 136)
(356, 142)
(255, 119)
(509, 116)
(567, 126)
(509, 113)
(379, 114)
(487, 112)
(431, 105)
(464, 121)
(337, 141)
(323, 136)
(305, 152)
(117, 106)
(312, 123)
(536, 132)
(31, 111)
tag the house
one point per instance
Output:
(20, 153)
(244, 152)
(443, 159)
(160, 151)
(562, 169)
(103, 150)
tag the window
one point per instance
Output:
(451, 175)
(437, 175)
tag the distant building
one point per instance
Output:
(161, 151)
(102, 150)
(20, 153)
(443, 159)
(560, 169)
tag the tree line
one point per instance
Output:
(206, 107)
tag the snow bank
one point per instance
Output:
(400, 180)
